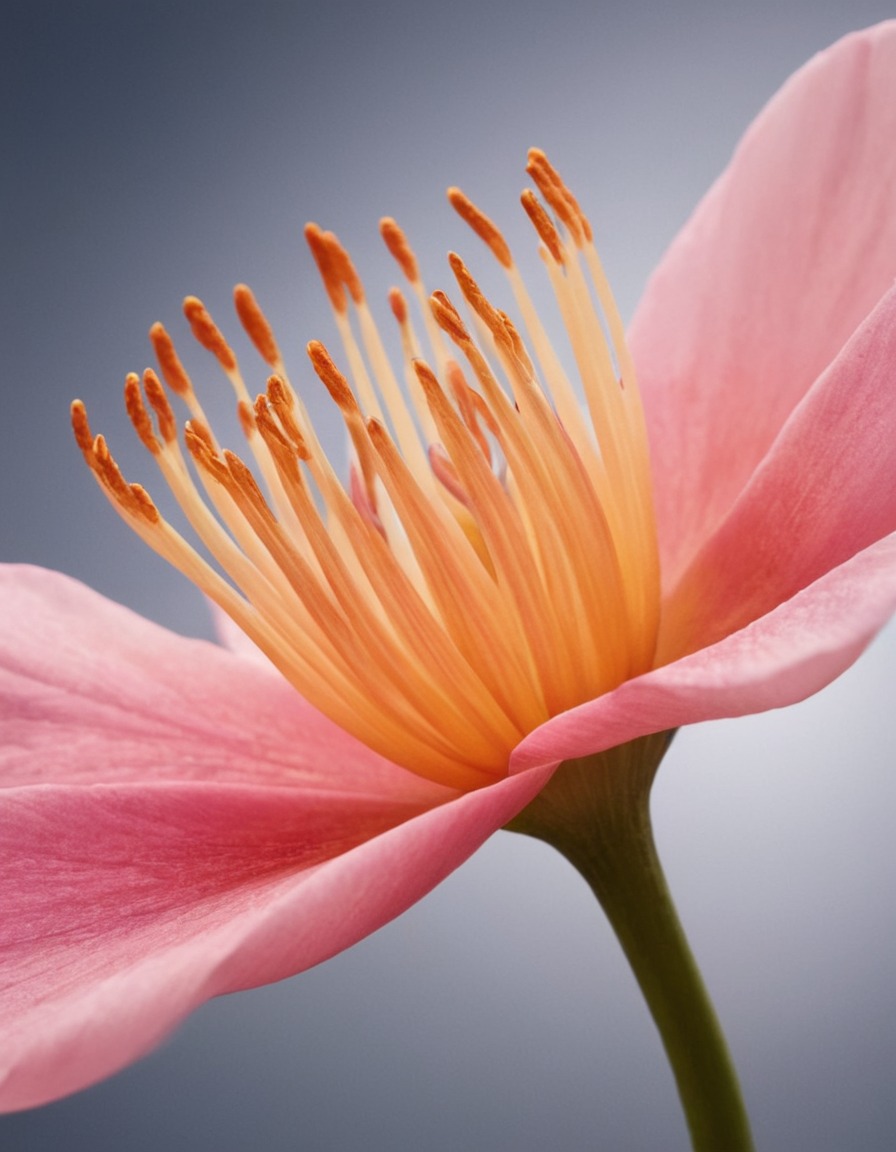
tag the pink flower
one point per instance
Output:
(177, 822)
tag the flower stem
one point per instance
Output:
(595, 811)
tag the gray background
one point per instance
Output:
(153, 149)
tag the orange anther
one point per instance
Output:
(169, 362)
(379, 437)
(400, 249)
(96, 452)
(256, 325)
(136, 409)
(344, 268)
(198, 429)
(208, 333)
(144, 504)
(264, 422)
(399, 305)
(544, 225)
(110, 472)
(155, 394)
(552, 187)
(323, 257)
(200, 448)
(281, 401)
(335, 382)
(279, 447)
(474, 295)
(81, 429)
(278, 393)
(245, 484)
(428, 379)
(481, 225)
(263, 419)
(448, 318)
(510, 337)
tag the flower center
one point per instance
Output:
(491, 561)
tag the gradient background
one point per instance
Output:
(155, 149)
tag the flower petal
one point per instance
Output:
(150, 899)
(788, 252)
(826, 490)
(91, 692)
(229, 835)
(779, 659)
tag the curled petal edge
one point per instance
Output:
(779, 659)
(85, 1033)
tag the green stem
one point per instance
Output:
(595, 811)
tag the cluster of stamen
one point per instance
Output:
(491, 559)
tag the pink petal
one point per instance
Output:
(91, 692)
(783, 657)
(150, 899)
(826, 490)
(219, 833)
(789, 251)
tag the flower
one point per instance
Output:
(177, 821)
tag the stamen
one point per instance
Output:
(343, 267)
(284, 454)
(155, 394)
(257, 327)
(448, 317)
(490, 560)
(399, 248)
(397, 243)
(558, 196)
(81, 429)
(536, 465)
(563, 396)
(335, 627)
(203, 452)
(132, 498)
(323, 257)
(399, 306)
(481, 225)
(247, 562)
(474, 295)
(201, 432)
(208, 333)
(457, 588)
(133, 402)
(544, 226)
(329, 374)
(504, 537)
(280, 400)
(173, 371)
(396, 657)
(144, 503)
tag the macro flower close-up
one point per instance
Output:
(549, 543)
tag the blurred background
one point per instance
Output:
(152, 150)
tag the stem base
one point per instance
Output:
(596, 812)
